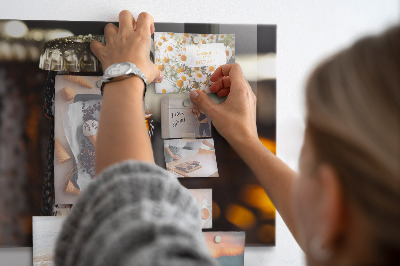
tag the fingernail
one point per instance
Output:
(194, 94)
(160, 78)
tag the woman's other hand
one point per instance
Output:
(130, 42)
(235, 119)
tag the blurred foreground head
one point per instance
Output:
(353, 129)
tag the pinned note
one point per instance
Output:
(179, 120)
(188, 60)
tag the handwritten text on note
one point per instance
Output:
(210, 54)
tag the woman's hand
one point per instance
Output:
(235, 119)
(130, 42)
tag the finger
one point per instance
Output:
(125, 22)
(97, 48)
(144, 24)
(233, 70)
(223, 92)
(157, 76)
(225, 82)
(202, 101)
(110, 31)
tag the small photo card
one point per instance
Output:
(188, 60)
(181, 118)
(76, 125)
(77, 100)
(191, 157)
(226, 247)
(45, 231)
(204, 199)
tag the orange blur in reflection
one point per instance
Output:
(216, 211)
(255, 196)
(240, 216)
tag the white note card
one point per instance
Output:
(210, 54)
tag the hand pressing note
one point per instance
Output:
(235, 119)
(128, 43)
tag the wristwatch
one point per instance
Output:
(123, 69)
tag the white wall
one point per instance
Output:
(307, 32)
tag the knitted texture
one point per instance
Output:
(134, 213)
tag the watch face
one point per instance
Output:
(118, 69)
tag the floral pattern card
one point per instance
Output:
(188, 60)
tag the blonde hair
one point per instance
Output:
(353, 121)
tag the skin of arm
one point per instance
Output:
(274, 175)
(122, 133)
(239, 109)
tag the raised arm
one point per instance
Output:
(122, 130)
(134, 212)
(239, 110)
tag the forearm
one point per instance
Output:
(122, 131)
(272, 173)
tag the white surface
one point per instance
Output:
(307, 32)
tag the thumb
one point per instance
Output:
(97, 49)
(202, 101)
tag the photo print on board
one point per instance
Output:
(45, 232)
(77, 113)
(180, 118)
(204, 199)
(77, 105)
(226, 247)
(188, 60)
(81, 125)
(191, 157)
